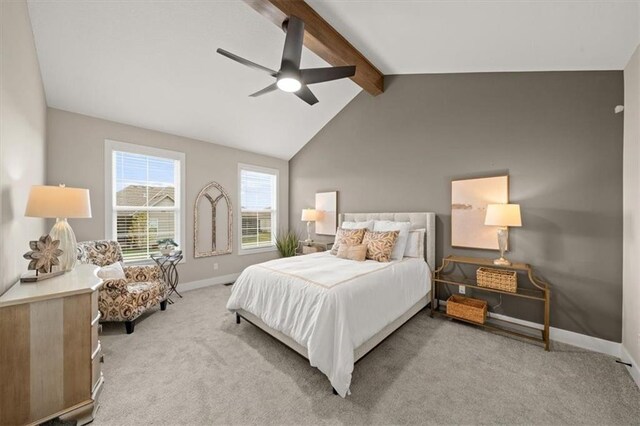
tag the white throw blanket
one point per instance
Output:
(330, 305)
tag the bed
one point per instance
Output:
(334, 311)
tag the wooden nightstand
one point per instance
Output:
(315, 247)
(451, 273)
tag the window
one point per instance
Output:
(258, 208)
(144, 195)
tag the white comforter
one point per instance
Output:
(330, 305)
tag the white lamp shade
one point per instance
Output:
(309, 215)
(503, 215)
(58, 202)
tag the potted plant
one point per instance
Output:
(287, 243)
(166, 246)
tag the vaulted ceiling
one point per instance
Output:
(153, 64)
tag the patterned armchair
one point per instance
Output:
(126, 299)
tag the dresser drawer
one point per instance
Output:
(95, 328)
(96, 367)
(94, 304)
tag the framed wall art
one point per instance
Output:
(327, 209)
(469, 200)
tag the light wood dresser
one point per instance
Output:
(50, 355)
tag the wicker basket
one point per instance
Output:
(498, 279)
(466, 308)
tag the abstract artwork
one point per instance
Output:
(469, 200)
(327, 208)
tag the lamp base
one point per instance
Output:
(62, 231)
(502, 262)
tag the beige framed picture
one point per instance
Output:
(469, 200)
(327, 208)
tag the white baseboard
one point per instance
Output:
(221, 279)
(569, 337)
(634, 370)
(565, 336)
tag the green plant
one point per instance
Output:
(287, 243)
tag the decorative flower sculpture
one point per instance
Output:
(44, 254)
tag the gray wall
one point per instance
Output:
(75, 156)
(554, 133)
(631, 273)
(22, 139)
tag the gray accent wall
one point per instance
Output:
(554, 133)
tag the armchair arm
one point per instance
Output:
(142, 273)
(114, 287)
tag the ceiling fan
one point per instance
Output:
(291, 78)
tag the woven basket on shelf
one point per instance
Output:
(466, 308)
(498, 279)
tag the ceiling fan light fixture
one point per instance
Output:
(289, 84)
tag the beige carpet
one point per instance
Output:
(193, 365)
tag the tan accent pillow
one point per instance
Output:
(350, 237)
(380, 244)
(357, 252)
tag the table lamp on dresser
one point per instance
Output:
(503, 216)
(61, 203)
(309, 215)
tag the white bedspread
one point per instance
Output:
(330, 305)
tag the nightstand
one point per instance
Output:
(315, 247)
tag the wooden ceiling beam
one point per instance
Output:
(323, 40)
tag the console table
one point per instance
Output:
(50, 355)
(451, 272)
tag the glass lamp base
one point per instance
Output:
(62, 231)
(503, 236)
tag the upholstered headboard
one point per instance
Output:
(425, 220)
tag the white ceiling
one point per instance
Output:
(413, 36)
(154, 65)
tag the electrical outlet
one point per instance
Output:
(462, 289)
(215, 266)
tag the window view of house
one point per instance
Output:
(258, 207)
(146, 210)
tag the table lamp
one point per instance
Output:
(309, 215)
(61, 203)
(503, 216)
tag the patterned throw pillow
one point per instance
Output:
(380, 244)
(347, 236)
(357, 252)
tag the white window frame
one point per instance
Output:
(110, 225)
(275, 217)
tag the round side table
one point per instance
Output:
(167, 265)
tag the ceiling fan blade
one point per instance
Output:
(267, 89)
(319, 75)
(293, 44)
(246, 62)
(306, 95)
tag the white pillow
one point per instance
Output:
(358, 225)
(415, 243)
(111, 272)
(401, 242)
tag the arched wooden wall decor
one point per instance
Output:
(212, 194)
